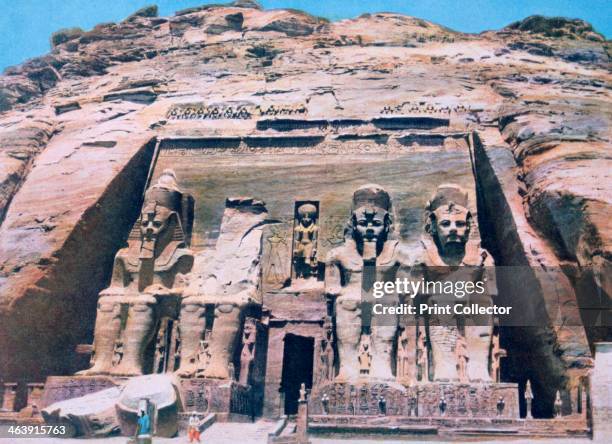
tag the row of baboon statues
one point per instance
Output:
(201, 112)
(151, 281)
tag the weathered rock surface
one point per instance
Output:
(115, 409)
(90, 415)
(78, 125)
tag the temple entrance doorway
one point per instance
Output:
(297, 369)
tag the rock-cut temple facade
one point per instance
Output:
(198, 212)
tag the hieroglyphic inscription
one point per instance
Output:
(60, 388)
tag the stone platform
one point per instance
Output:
(473, 400)
(573, 426)
(215, 396)
(197, 394)
(61, 388)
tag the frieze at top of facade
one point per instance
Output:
(201, 111)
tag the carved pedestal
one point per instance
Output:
(367, 399)
(204, 395)
(450, 400)
(60, 388)
(9, 395)
(32, 408)
(472, 400)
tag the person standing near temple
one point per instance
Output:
(143, 430)
(193, 432)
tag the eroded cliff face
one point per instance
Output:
(78, 129)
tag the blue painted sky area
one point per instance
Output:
(26, 25)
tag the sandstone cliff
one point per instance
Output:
(78, 129)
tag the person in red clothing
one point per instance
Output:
(193, 431)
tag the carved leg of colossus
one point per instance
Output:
(443, 339)
(138, 332)
(191, 328)
(384, 329)
(478, 334)
(382, 351)
(108, 323)
(223, 340)
(348, 333)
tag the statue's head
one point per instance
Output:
(449, 220)
(307, 214)
(371, 217)
(249, 327)
(154, 219)
(159, 218)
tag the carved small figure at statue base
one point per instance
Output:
(406, 356)
(203, 358)
(422, 356)
(117, 353)
(496, 354)
(247, 354)
(462, 358)
(326, 355)
(558, 405)
(365, 356)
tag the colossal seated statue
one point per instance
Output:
(153, 266)
(226, 281)
(460, 344)
(367, 255)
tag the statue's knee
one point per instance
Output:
(192, 307)
(106, 307)
(108, 304)
(348, 305)
(226, 309)
(141, 307)
(384, 333)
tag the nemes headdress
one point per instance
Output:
(448, 195)
(372, 195)
(165, 193)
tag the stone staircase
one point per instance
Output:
(238, 433)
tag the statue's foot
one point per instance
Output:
(125, 370)
(186, 371)
(216, 372)
(95, 370)
(381, 373)
(381, 377)
(343, 377)
(479, 380)
(406, 381)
